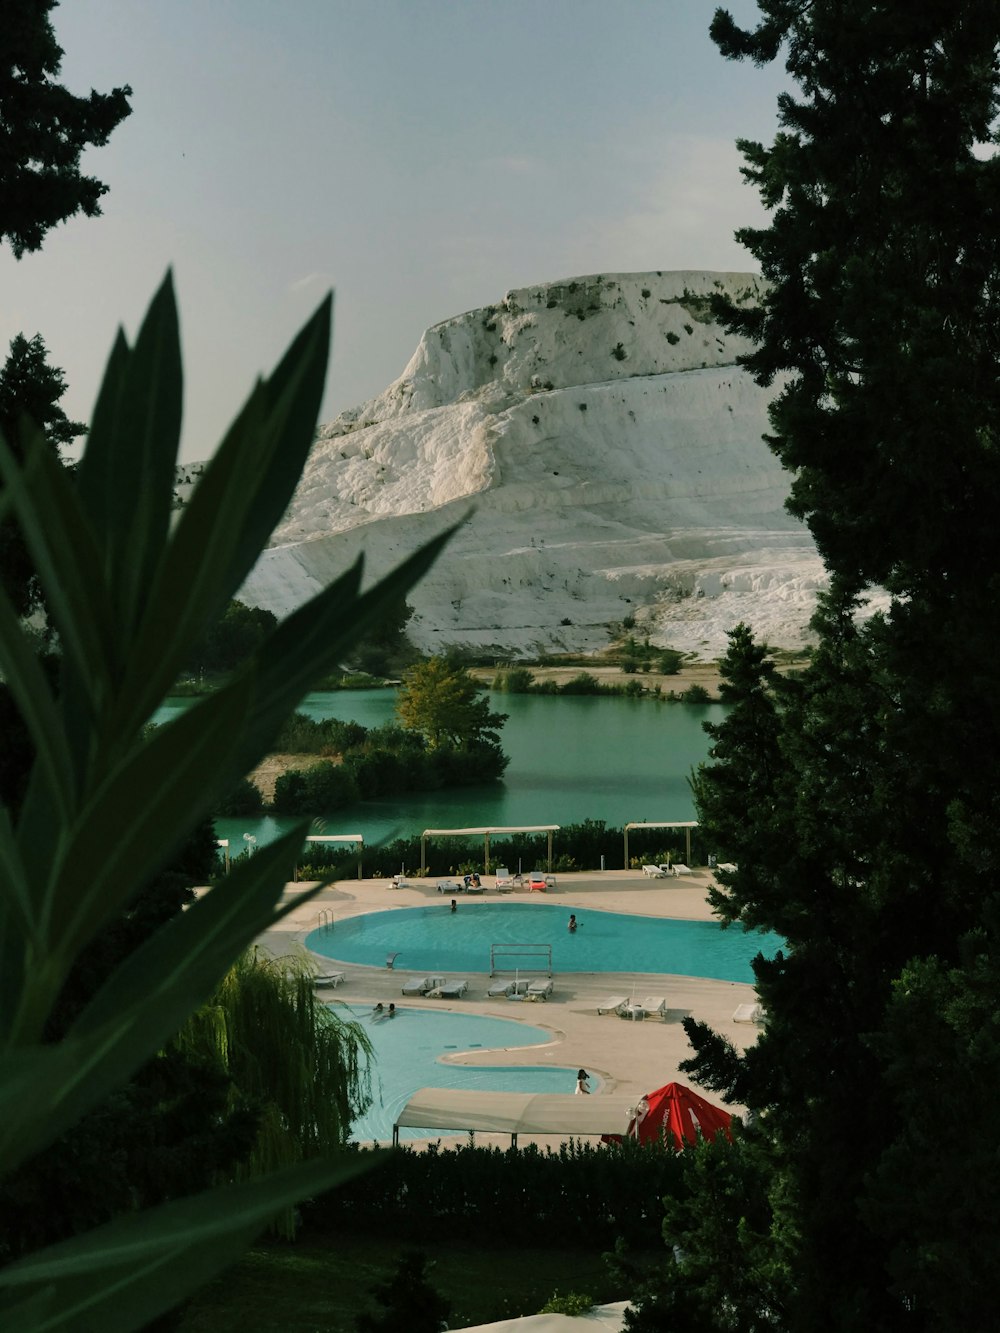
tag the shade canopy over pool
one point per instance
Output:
(515, 1113)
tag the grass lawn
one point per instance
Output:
(319, 1284)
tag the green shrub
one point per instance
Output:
(573, 1303)
(670, 661)
(696, 694)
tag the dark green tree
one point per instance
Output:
(860, 799)
(408, 1301)
(441, 700)
(30, 390)
(44, 130)
(231, 640)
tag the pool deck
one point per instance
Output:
(630, 1057)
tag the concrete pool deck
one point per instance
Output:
(630, 1057)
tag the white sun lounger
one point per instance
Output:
(420, 985)
(631, 1009)
(539, 989)
(679, 868)
(328, 979)
(748, 1013)
(452, 989)
(612, 1004)
(654, 872)
(655, 1004)
(505, 880)
(503, 990)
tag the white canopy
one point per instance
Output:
(566, 1114)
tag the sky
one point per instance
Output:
(420, 157)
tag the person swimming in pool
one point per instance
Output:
(378, 1008)
(572, 923)
(454, 905)
(392, 1011)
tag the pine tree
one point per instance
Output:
(44, 129)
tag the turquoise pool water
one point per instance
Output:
(408, 1051)
(435, 939)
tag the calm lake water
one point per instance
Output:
(570, 759)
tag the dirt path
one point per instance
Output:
(705, 674)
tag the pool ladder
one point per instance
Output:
(324, 922)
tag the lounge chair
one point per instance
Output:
(475, 888)
(631, 1009)
(654, 872)
(748, 1013)
(452, 989)
(450, 886)
(679, 868)
(400, 882)
(505, 880)
(655, 1004)
(537, 882)
(328, 979)
(612, 1004)
(505, 990)
(539, 989)
(420, 985)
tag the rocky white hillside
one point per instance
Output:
(609, 452)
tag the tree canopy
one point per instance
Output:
(859, 799)
(44, 130)
(442, 701)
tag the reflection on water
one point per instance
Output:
(570, 759)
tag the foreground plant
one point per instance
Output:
(106, 807)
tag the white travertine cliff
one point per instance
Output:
(610, 453)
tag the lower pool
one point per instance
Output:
(408, 1051)
(436, 939)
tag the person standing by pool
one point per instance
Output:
(582, 1082)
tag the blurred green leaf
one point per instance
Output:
(134, 821)
(66, 557)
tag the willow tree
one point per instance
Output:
(861, 800)
(302, 1070)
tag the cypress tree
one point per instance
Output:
(860, 799)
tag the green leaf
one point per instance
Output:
(29, 688)
(134, 820)
(149, 429)
(304, 645)
(120, 1276)
(192, 950)
(238, 501)
(171, 975)
(66, 556)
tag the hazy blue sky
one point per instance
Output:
(419, 156)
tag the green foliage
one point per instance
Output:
(513, 680)
(408, 1301)
(244, 799)
(304, 1070)
(229, 642)
(29, 388)
(441, 700)
(573, 1303)
(669, 662)
(44, 130)
(695, 694)
(860, 799)
(580, 1193)
(107, 805)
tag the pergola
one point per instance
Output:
(513, 1113)
(335, 837)
(486, 834)
(686, 824)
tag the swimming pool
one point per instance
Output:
(408, 1051)
(434, 938)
